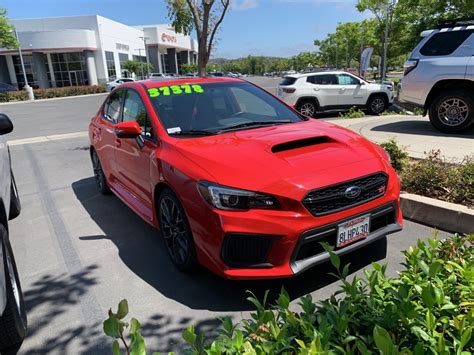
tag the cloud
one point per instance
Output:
(241, 5)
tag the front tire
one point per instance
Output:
(13, 321)
(176, 232)
(99, 174)
(377, 104)
(452, 111)
(307, 108)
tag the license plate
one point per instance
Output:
(355, 229)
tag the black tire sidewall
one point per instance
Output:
(11, 321)
(15, 204)
(104, 189)
(191, 261)
(433, 111)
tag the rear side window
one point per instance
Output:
(288, 81)
(113, 106)
(322, 79)
(445, 43)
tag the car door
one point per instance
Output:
(103, 133)
(325, 89)
(351, 92)
(135, 156)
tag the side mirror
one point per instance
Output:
(130, 129)
(6, 126)
(361, 82)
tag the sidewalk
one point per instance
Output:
(415, 133)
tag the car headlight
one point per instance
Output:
(389, 158)
(227, 198)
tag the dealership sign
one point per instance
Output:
(365, 60)
(168, 38)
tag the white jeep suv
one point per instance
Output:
(333, 91)
(439, 76)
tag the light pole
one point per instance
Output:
(27, 88)
(388, 11)
(146, 54)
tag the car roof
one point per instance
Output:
(151, 83)
(302, 75)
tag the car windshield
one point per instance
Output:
(213, 108)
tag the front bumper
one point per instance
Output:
(285, 233)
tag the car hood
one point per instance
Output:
(300, 156)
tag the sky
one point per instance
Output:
(252, 27)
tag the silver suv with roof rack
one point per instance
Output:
(439, 75)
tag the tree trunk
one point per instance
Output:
(202, 59)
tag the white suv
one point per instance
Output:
(439, 76)
(333, 91)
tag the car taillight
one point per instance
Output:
(409, 66)
(289, 90)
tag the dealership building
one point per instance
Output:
(88, 50)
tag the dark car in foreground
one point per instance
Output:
(12, 308)
(237, 180)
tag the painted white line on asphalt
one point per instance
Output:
(43, 139)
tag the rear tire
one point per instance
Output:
(13, 322)
(377, 104)
(99, 174)
(176, 232)
(452, 111)
(307, 108)
(15, 205)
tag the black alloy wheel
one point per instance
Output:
(99, 174)
(176, 232)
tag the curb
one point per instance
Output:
(51, 99)
(439, 214)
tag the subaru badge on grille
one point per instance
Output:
(352, 192)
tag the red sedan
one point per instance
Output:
(238, 181)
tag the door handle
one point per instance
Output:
(316, 89)
(342, 89)
(118, 143)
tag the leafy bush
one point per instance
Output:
(53, 92)
(353, 112)
(435, 177)
(427, 309)
(398, 155)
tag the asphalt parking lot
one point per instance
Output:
(79, 252)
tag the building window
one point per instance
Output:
(165, 63)
(29, 70)
(69, 69)
(123, 57)
(109, 59)
(139, 58)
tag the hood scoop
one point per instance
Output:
(301, 143)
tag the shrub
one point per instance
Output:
(353, 112)
(427, 309)
(437, 178)
(53, 92)
(398, 155)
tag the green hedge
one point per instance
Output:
(52, 92)
(427, 309)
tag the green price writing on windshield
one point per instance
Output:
(175, 90)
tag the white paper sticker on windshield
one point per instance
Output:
(174, 130)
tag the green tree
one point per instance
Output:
(205, 16)
(188, 68)
(7, 38)
(137, 68)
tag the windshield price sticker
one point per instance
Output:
(175, 90)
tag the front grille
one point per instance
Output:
(333, 198)
(310, 243)
(246, 250)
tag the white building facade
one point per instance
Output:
(88, 50)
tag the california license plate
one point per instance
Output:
(355, 229)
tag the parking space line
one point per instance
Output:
(42, 139)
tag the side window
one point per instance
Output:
(251, 103)
(445, 43)
(324, 79)
(134, 110)
(344, 79)
(113, 106)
